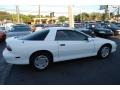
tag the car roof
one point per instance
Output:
(59, 28)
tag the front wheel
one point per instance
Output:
(104, 52)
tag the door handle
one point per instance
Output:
(62, 44)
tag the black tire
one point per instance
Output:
(101, 55)
(34, 57)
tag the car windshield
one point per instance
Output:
(18, 28)
(99, 26)
(113, 25)
(39, 25)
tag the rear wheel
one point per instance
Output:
(40, 61)
(104, 51)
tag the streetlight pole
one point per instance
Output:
(39, 14)
(18, 14)
(118, 13)
(70, 15)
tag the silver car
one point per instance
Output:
(18, 30)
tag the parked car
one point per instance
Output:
(8, 26)
(87, 31)
(53, 45)
(66, 25)
(113, 27)
(100, 30)
(19, 30)
(118, 24)
(38, 27)
(78, 25)
(2, 28)
(2, 36)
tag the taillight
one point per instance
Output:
(8, 48)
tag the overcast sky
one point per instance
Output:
(57, 6)
(59, 2)
(46, 9)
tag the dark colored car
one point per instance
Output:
(78, 25)
(2, 36)
(86, 31)
(19, 30)
(99, 30)
(115, 28)
(118, 24)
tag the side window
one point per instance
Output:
(61, 35)
(76, 36)
(70, 35)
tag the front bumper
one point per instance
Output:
(117, 32)
(105, 34)
(114, 47)
(13, 59)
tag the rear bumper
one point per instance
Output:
(13, 59)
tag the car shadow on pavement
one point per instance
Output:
(58, 73)
(2, 47)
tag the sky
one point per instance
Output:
(58, 2)
(57, 6)
(46, 9)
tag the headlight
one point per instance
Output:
(101, 32)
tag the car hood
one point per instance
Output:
(103, 29)
(103, 40)
(115, 28)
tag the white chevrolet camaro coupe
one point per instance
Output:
(55, 44)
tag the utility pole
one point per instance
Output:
(39, 14)
(51, 16)
(118, 12)
(18, 14)
(106, 12)
(70, 15)
(12, 17)
(81, 18)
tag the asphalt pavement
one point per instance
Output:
(85, 71)
(4, 67)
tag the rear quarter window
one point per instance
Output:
(36, 36)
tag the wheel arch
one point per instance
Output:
(42, 51)
(106, 44)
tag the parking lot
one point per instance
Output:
(81, 71)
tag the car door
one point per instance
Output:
(73, 44)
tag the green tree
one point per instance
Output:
(47, 16)
(62, 19)
(85, 16)
(95, 16)
(103, 17)
(5, 15)
(25, 18)
(77, 18)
